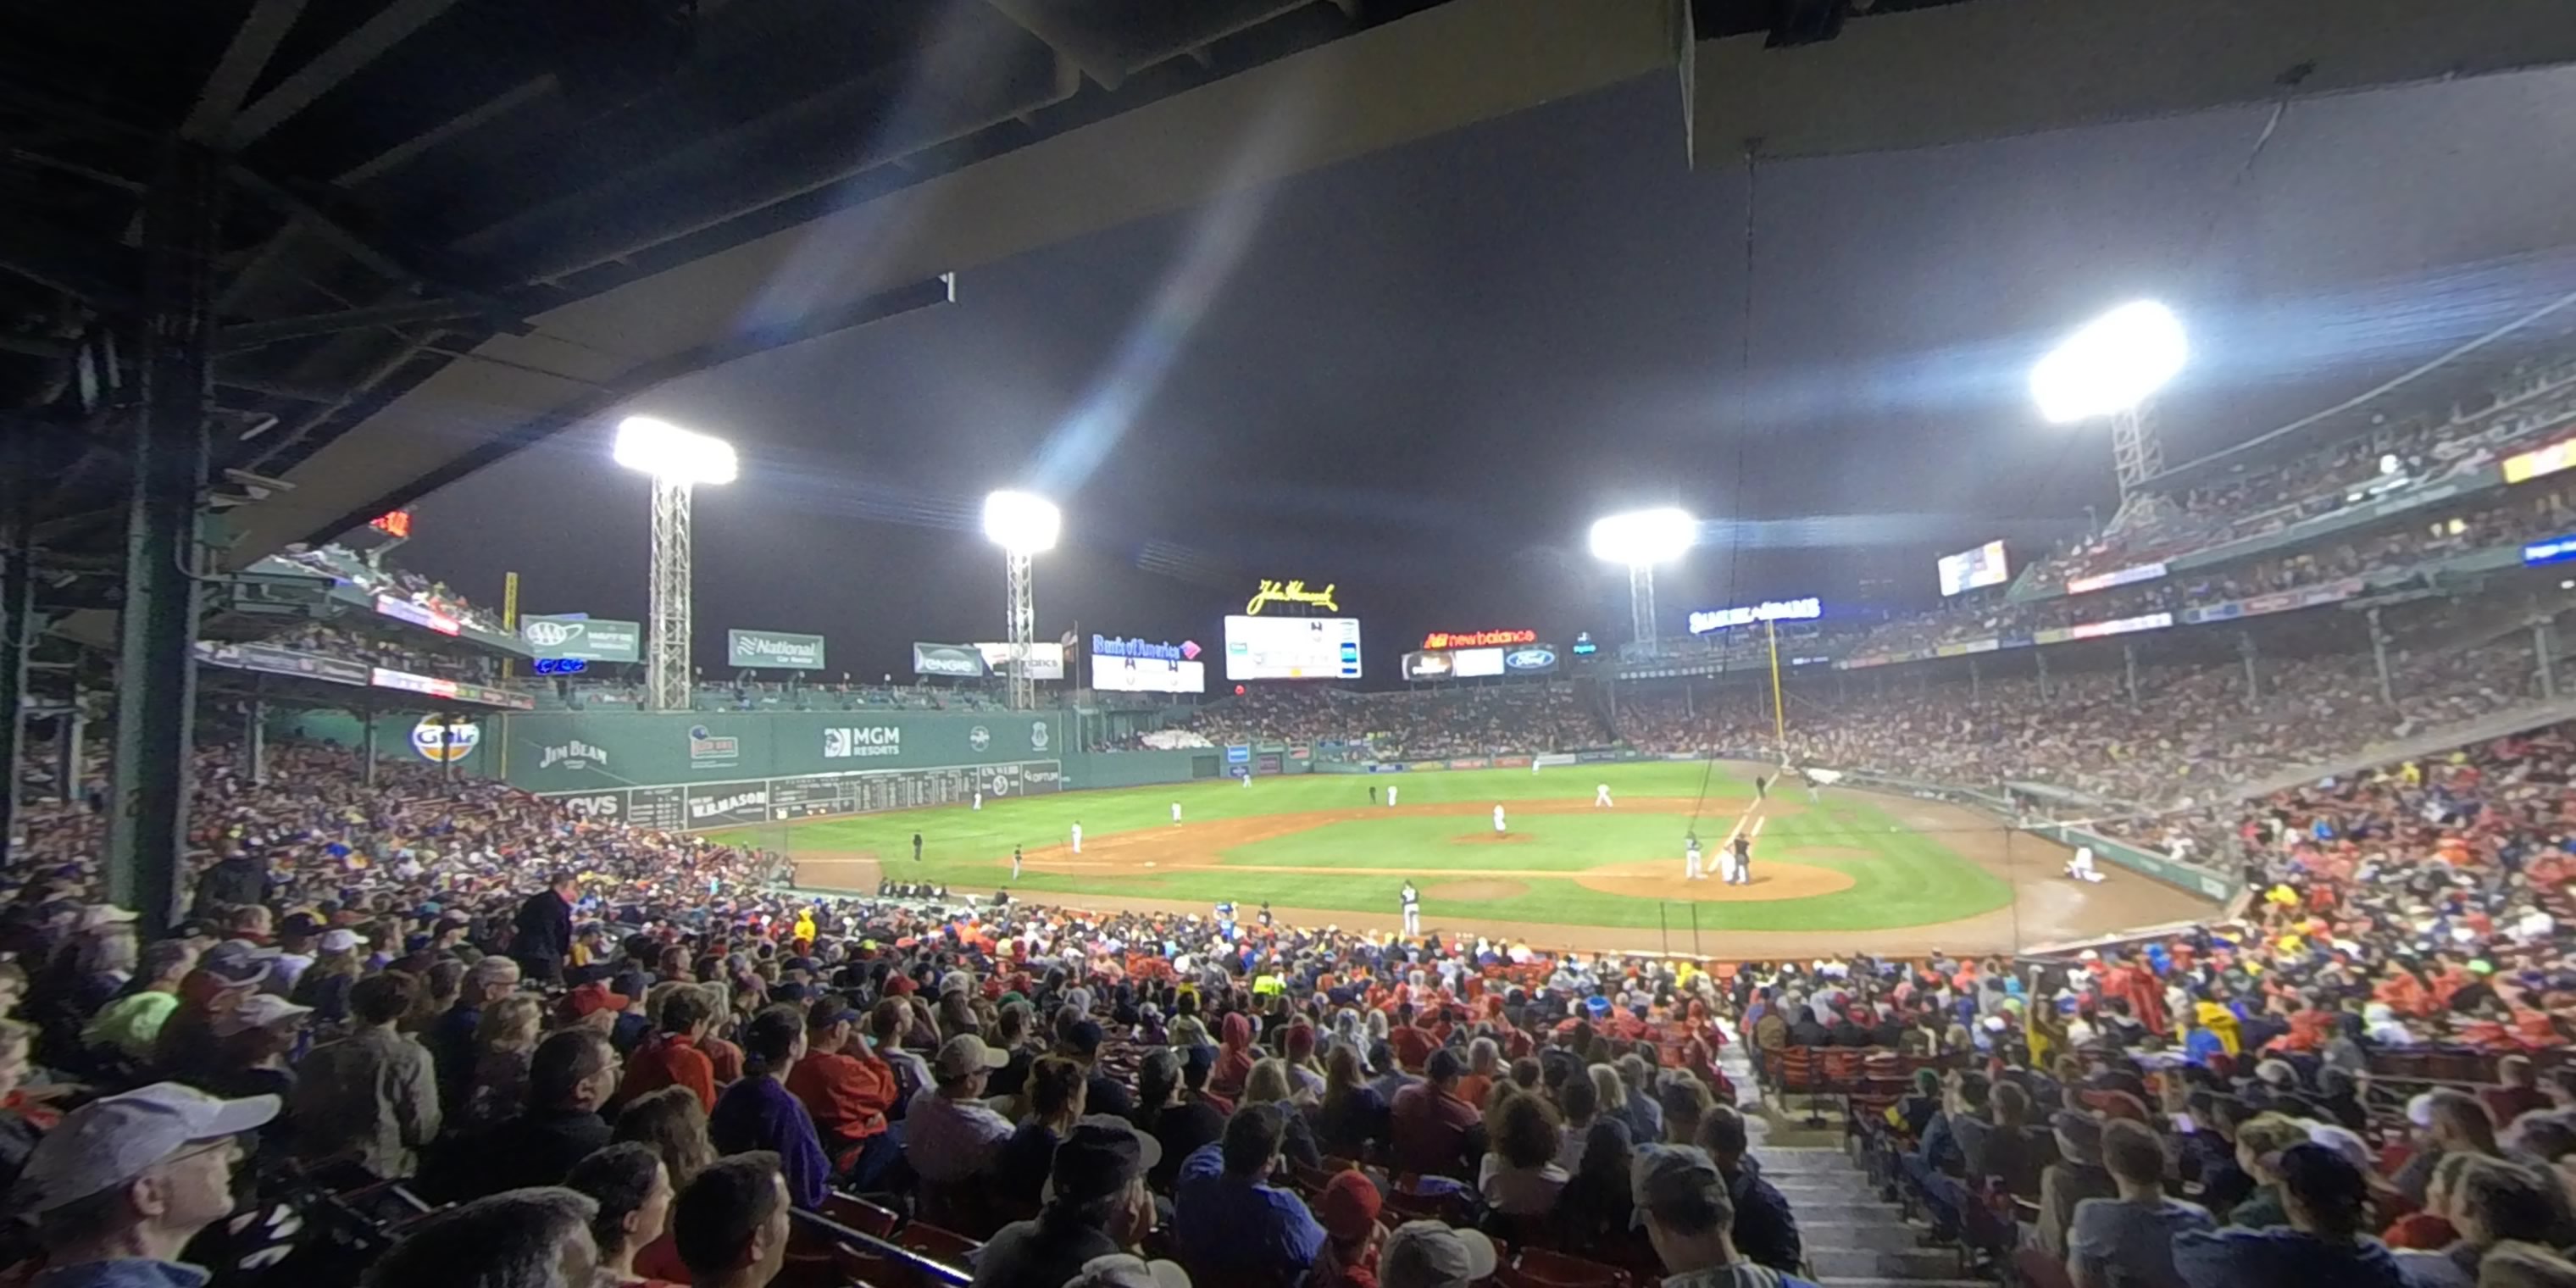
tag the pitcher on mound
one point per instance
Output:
(1601, 796)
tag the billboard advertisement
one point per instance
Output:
(1970, 569)
(1476, 663)
(1531, 659)
(780, 650)
(1046, 659)
(1292, 648)
(582, 637)
(2123, 577)
(1478, 639)
(1122, 674)
(1423, 665)
(1778, 610)
(950, 661)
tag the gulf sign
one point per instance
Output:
(1477, 639)
(442, 741)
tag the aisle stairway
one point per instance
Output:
(1853, 1240)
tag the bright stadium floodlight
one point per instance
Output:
(2110, 368)
(678, 460)
(666, 451)
(1640, 540)
(1022, 524)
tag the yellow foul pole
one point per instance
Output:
(1779, 714)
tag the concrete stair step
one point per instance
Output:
(1889, 1235)
(1817, 1188)
(1877, 1281)
(1910, 1263)
(1854, 1211)
(1823, 1163)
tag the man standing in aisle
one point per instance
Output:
(1601, 796)
(1740, 872)
(1498, 820)
(1077, 836)
(1690, 857)
(1411, 900)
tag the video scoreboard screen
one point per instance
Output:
(1970, 569)
(1292, 648)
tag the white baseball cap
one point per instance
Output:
(257, 1011)
(110, 1141)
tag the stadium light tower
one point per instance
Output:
(1023, 525)
(678, 460)
(2111, 367)
(1641, 540)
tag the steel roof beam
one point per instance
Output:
(253, 43)
(331, 67)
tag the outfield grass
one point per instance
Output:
(1899, 877)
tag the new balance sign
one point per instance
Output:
(864, 740)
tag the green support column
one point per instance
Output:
(155, 669)
(19, 624)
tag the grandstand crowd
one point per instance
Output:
(604, 1054)
(1471, 720)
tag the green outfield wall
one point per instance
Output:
(552, 753)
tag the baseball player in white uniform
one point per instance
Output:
(1411, 899)
(1498, 820)
(1690, 860)
(1176, 813)
(979, 800)
(2080, 868)
(1390, 795)
(1247, 780)
(1726, 864)
(1077, 838)
(1601, 796)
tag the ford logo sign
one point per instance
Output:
(1529, 659)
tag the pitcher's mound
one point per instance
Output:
(1662, 879)
(1483, 890)
(1488, 838)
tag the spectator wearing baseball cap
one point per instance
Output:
(122, 1185)
(1682, 1200)
(2077, 1175)
(594, 1006)
(848, 1091)
(950, 1134)
(1096, 1205)
(2325, 1199)
(373, 1093)
(1427, 1254)
(1348, 1210)
(256, 1036)
(760, 1113)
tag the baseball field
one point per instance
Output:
(1848, 869)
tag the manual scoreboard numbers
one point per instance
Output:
(1292, 648)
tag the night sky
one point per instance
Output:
(1427, 370)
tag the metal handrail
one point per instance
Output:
(936, 1269)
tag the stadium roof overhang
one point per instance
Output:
(505, 220)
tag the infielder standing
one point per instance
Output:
(1601, 796)
(1690, 858)
(1176, 813)
(1390, 794)
(1411, 901)
(1741, 872)
(1498, 820)
(1077, 838)
(1015, 863)
(979, 800)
